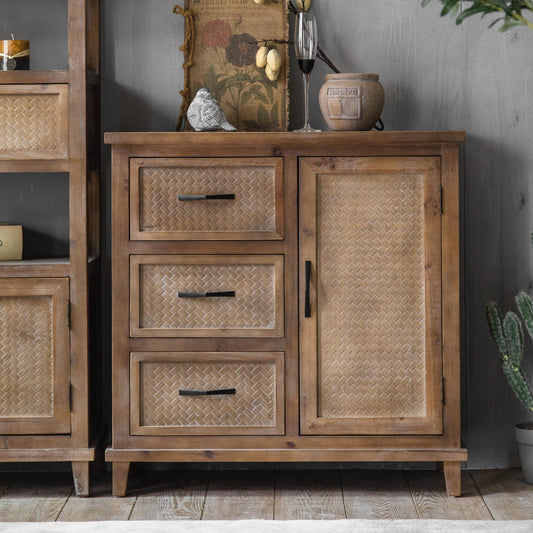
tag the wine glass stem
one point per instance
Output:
(306, 97)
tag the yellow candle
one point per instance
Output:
(14, 55)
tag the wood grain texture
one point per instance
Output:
(363, 219)
(49, 121)
(158, 210)
(158, 407)
(405, 435)
(35, 498)
(429, 494)
(36, 118)
(308, 495)
(35, 356)
(505, 493)
(376, 495)
(240, 495)
(100, 506)
(180, 497)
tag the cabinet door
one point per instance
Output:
(370, 299)
(34, 356)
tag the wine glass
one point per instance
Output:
(305, 46)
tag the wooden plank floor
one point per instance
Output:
(268, 494)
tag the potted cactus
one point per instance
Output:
(507, 333)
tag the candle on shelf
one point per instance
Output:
(14, 54)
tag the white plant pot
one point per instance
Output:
(524, 438)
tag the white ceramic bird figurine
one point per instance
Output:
(205, 113)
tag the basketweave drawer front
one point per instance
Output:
(202, 393)
(34, 121)
(206, 296)
(206, 199)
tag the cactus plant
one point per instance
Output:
(508, 336)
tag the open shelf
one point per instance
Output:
(34, 76)
(54, 267)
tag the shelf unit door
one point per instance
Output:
(34, 356)
(370, 296)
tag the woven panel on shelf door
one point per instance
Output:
(254, 403)
(26, 357)
(253, 208)
(371, 296)
(252, 307)
(30, 123)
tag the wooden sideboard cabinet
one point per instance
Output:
(286, 297)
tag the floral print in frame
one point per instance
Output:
(227, 37)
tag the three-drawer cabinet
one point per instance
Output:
(286, 297)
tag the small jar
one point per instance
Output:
(14, 55)
(351, 102)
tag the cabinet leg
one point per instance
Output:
(120, 478)
(80, 473)
(452, 476)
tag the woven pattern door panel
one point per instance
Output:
(206, 393)
(213, 199)
(374, 258)
(207, 296)
(34, 356)
(34, 121)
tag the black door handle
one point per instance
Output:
(196, 197)
(307, 285)
(221, 294)
(206, 392)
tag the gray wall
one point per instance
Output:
(437, 76)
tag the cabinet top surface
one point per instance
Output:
(293, 139)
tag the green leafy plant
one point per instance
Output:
(511, 11)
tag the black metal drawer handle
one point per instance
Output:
(196, 197)
(307, 284)
(222, 294)
(220, 392)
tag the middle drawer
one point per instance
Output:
(206, 296)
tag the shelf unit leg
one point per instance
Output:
(80, 473)
(452, 477)
(120, 478)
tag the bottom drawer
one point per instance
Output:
(199, 393)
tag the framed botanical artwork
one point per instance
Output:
(227, 36)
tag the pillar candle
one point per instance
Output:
(14, 55)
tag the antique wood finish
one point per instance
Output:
(423, 160)
(35, 356)
(161, 209)
(246, 296)
(36, 121)
(56, 127)
(370, 345)
(160, 380)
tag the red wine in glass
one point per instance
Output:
(306, 65)
(305, 47)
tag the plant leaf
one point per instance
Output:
(274, 115)
(471, 11)
(256, 91)
(262, 116)
(245, 97)
(525, 306)
(514, 336)
(251, 124)
(495, 322)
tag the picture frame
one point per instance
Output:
(227, 35)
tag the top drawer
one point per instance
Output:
(206, 199)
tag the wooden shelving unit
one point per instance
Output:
(55, 129)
